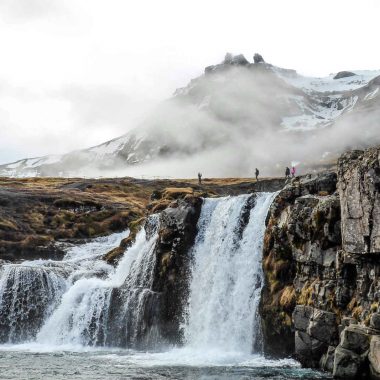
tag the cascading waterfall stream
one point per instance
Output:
(227, 275)
(82, 317)
(31, 291)
(83, 301)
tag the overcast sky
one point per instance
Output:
(75, 73)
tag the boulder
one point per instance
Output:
(347, 364)
(323, 326)
(302, 343)
(308, 350)
(356, 338)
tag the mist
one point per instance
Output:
(227, 123)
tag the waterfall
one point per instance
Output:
(87, 315)
(31, 291)
(28, 294)
(227, 275)
(84, 301)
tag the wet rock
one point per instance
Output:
(178, 227)
(347, 364)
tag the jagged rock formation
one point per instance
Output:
(302, 236)
(320, 259)
(359, 188)
(178, 227)
(258, 58)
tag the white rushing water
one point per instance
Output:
(31, 291)
(82, 316)
(227, 276)
(84, 302)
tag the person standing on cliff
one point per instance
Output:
(200, 178)
(293, 171)
(257, 174)
(287, 172)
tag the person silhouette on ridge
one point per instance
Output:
(257, 174)
(200, 178)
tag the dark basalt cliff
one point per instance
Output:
(178, 227)
(322, 266)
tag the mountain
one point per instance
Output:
(236, 116)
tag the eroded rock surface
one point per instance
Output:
(321, 259)
(359, 186)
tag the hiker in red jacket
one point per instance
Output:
(293, 171)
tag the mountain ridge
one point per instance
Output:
(227, 115)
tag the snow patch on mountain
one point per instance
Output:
(327, 84)
(372, 95)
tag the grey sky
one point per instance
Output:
(74, 73)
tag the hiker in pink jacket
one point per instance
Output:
(293, 171)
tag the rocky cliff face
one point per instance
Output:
(322, 269)
(178, 227)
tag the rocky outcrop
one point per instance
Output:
(359, 187)
(258, 58)
(322, 269)
(178, 227)
(302, 237)
(344, 74)
(156, 305)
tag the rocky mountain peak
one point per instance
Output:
(258, 58)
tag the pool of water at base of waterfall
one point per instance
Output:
(29, 361)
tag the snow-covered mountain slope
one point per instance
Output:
(237, 114)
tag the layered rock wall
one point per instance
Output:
(322, 265)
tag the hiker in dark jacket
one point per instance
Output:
(200, 178)
(257, 174)
(287, 172)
